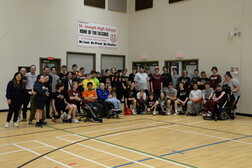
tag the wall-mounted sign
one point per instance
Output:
(234, 70)
(97, 35)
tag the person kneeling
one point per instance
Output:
(59, 104)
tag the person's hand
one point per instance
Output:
(110, 96)
(183, 103)
(78, 99)
(56, 114)
(215, 99)
(8, 101)
(152, 90)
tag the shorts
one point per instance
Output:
(40, 102)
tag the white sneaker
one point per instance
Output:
(15, 124)
(75, 120)
(175, 113)
(63, 115)
(19, 119)
(7, 125)
(68, 117)
(133, 112)
(168, 113)
(154, 113)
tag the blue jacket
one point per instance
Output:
(39, 88)
(102, 94)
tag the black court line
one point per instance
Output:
(216, 130)
(95, 124)
(99, 136)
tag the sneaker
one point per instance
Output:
(175, 113)
(133, 112)
(43, 122)
(15, 124)
(168, 113)
(75, 120)
(30, 123)
(7, 125)
(19, 119)
(63, 115)
(154, 113)
(68, 117)
(38, 124)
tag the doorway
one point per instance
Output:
(150, 64)
(50, 62)
(189, 65)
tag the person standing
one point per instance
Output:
(234, 86)
(142, 80)
(40, 99)
(23, 72)
(31, 78)
(215, 78)
(55, 79)
(14, 97)
(195, 77)
(63, 74)
(167, 78)
(132, 75)
(74, 71)
(107, 79)
(175, 77)
(185, 79)
(48, 84)
(156, 83)
(202, 80)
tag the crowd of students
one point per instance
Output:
(141, 92)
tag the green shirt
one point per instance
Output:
(96, 81)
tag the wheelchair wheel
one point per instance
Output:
(223, 115)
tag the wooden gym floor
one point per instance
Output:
(129, 142)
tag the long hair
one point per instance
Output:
(14, 79)
(229, 74)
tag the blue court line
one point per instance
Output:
(185, 150)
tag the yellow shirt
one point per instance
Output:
(85, 82)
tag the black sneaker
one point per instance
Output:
(43, 122)
(38, 124)
(30, 123)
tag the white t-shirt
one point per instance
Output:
(195, 94)
(139, 96)
(142, 81)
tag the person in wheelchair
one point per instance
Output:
(105, 97)
(90, 99)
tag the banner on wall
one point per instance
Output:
(97, 35)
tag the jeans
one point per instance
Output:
(193, 107)
(115, 102)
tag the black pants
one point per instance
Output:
(104, 112)
(14, 107)
(97, 105)
(156, 93)
(119, 93)
(48, 102)
(26, 100)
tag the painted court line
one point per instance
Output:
(141, 152)
(182, 151)
(16, 143)
(21, 150)
(112, 154)
(74, 154)
(191, 132)
(43, 156)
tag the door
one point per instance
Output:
(151, 65)
(50, 62)
(112, 61)
(189, 65)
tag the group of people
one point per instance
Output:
(60, 96)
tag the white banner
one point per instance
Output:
(97, 35)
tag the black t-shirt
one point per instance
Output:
(182, 94)
(166, 79)
(150, 103)
(202, 87)
(107, 80)
(217, 94)
(117, 83)
(63, 76)
(132, 93)
(131, 77)
(125, 80)
(59, 100)
(185, 80)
